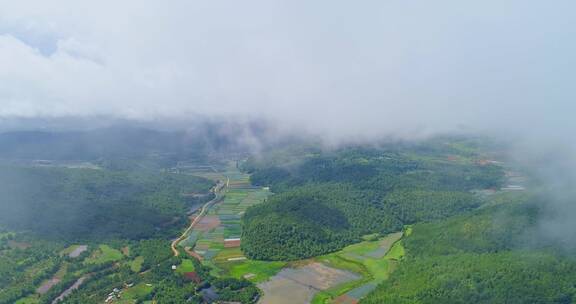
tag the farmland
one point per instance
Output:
(232, 262)
(216, 238)
(374, 260)
(299, 284)
(343, 277)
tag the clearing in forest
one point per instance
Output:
(104, 254)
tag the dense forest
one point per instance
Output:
(72, 204)
(327, 200)
(489, 256)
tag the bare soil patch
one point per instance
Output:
(208, 223)
(344, 299)
(231, 243)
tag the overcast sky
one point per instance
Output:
(350, 67)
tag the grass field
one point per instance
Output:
(104, 254)
(33, 299)
(396, 252)
(231, 262)
(255, 271)
(135, 293)
(186, 266)
(136, 264)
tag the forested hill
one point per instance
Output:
(327, 200)
(94, 204)
(490, 256)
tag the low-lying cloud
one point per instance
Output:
(336, 67)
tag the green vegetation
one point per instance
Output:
(28, 300)
(396, 252)
(23, 268)
(136, 264)
(483, 257)
(224, 222)
(186, 266)
(373, 260)
(88, 204)
(109, 211)
(104, 254)
(255, 271)
(137, 292)
(331, 200)
(341, 207)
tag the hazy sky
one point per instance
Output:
(351, 67)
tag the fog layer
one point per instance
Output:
(338, 67)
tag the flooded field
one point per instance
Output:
(299, 285)
(384, 245)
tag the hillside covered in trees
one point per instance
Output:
(72, 204)
(489, 256)
(326, 200)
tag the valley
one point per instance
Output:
(318, 227)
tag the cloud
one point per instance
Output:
(341, 68)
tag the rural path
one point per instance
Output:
(217, 190)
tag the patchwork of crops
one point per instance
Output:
(221, 227)
(211, 238)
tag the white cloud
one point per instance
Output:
(342, 67)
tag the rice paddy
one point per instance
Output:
(374, 260)
(300, 284)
